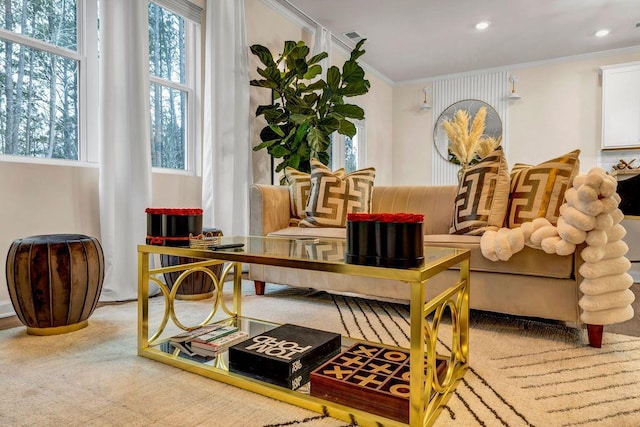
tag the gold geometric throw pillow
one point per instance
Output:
(299, 186)
(483, 196)
(538, 191)
(332, 196)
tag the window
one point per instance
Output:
(174, 81)
(42, 45)
(348, 152)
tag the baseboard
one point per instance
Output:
(6, 309)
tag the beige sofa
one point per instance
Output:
(532, 283)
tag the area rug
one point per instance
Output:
(523, 372)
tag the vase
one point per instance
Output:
(463, 169)
(399, 244)
(361, 243)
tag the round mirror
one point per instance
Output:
(493, 125)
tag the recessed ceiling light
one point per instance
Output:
(483, 25)
(602, 33)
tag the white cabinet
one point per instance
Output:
(621, 106)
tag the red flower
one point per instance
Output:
(174, 211)
(358, 217)
(398, 217)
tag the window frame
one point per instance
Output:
(86, 55)
(192, 86)
(88, 94)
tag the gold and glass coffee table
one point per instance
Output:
(429, 388)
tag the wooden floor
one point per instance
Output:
(631, 327)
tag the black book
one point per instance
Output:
(285, 355)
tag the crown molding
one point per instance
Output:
(533, 64)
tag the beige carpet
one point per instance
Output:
(523, 373)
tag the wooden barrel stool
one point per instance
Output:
(55, 281)
(197, 285)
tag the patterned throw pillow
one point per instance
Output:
(483, 196)
(299, 186)
(538, 191)
(332, 196)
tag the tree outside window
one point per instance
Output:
(39, 79)
(172, 76)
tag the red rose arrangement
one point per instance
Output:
(174, 211)
(385, 239)
(386, 217)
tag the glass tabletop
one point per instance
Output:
(314, 254)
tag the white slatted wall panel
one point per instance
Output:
(491, 88)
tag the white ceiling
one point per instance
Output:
(420, 39)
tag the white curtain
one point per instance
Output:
(125, 158)
(322, 43)
(226, 164)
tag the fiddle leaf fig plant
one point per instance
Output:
(305, 109)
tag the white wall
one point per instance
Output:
(51, 199)
(412, 136)
(560, 111)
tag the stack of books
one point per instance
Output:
(208, 340)
(217, 341)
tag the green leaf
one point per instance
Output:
(328, 125)
(277, 130)
(317, 58)
(267, 134)
(261, 108)
(278, 151)
(333, 77)
(301, 132)
(349, 110)
(312, 72)
(299, 118)
(264, 144)
(310, 99)
(356, 88)
(323, 156)
(347, 128)
(357, 52)
(294, 161)
(352, 72)
(267, 84)
(317, 85)
(303, 109)
(300, 51)
(263, 54)
(317, 140)
(275, 116)
(288, 47)
(270, 73)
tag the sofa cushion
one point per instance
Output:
(538, 191)
(529, 261)
(299, 185)
(483, 196)
(332, 196)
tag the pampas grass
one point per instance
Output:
(465, 142)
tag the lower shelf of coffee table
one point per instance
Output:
(217, 368)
